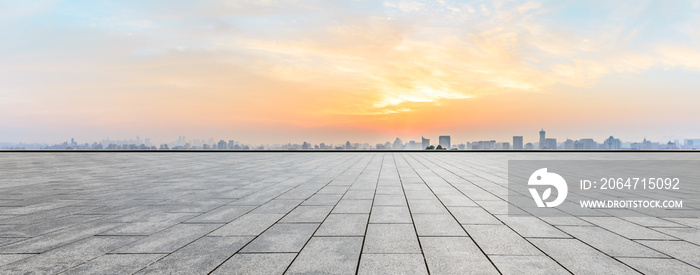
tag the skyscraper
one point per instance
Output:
(551, 143)
(445, 142)
(542, 140)
(398, 144)
(425, 142)
(517, 142)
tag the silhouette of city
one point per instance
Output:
(445, 142)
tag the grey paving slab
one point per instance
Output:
(343, 225)
(473, 215)
(426, 206)
(222, 214)
(660, 266)
(627, 229)
(67, 256)
(455, 255)
(245, 213)
(527, 264)
(170, 239)
(681, 250)
(250, 224)
(347, 206)
(328, 255)
(500, 240)
(392, 264)
(437, 225)
(282, 238)
(263, 263)
(115, 264)
(201, 256)
(391, 238)
(390, 214)
(308, 214)
(610, 243)
(578, 257)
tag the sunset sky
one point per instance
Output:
(366, 71)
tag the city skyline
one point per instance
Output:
(272, 72)
(444, 142)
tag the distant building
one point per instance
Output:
(517, 142)
(387, 145)
(568, 144)
(445, 142)
(425, 142)
(348, 146)
(231, 144)
(398, 144)
(529, 146)
(550, 143)
(542, 139)
(612, 143)
(587, 144)
(306, 146)
(221, 145)
(412, 145)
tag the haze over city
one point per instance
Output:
(332, 71)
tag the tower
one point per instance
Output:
(542, 139)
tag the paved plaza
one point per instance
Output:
(345, 213)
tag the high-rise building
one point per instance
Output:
(425, 142)
(517, 142)
(569, 144)
(542, 140)
(348, 146)
(398, 144)
(231, 145)
(612, 143)
(550, 144)
(445, 142)
(221, 145)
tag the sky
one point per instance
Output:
(265, 72)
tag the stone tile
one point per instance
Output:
(691, 235)
(660, 266)
(683, 251)
(67, 256)
(277, 207)
(282, 238)
(328, 255)
(473, 215)
(247, 225)
(390, 214)
(529, 226)
(456, 199)
(353, 206)
(391, 238)
(394, 200)
(359, 194)
(426, 206)
(437, 225)
(323, 199)
(610, 243)
(115, 264)
(265, 263)
(10, 258)
(578, 257)
(222, 214)
(527, 264)
(392, 264)
(56, 239)
(455, 255)
(170, 239)
(500, 240)
(201, 256)
(343, 225)
(627, 229)
(308, 214)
